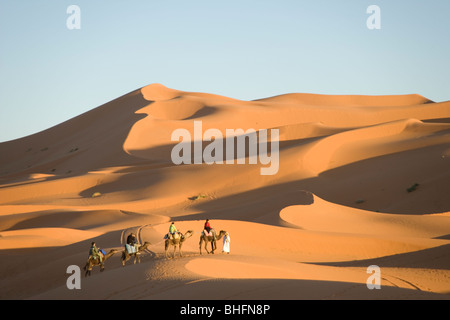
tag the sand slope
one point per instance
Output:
(362, 180)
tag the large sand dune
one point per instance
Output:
(362, 180)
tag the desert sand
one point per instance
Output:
(362, 181)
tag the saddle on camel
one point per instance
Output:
(132, 244)
(208, 231)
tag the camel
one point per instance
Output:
(177, 242)
(95, 262)
(126, 256)
(207, 239)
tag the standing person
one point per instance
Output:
(226, 243)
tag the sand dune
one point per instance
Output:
(324, 216)
(362, 180)
(43, 237)
(369, 142)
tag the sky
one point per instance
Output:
(246, 49)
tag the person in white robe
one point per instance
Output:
(226, 243)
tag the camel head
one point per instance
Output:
(221, 234)
(188, 234)
(144, 246)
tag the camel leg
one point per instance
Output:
(179, 249)
(125, 257)
(138, 257)
(166, 248)
(89, 269)
(86, 267)
(200, 245)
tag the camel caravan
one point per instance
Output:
(174, 238)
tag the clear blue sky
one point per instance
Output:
(244, 49)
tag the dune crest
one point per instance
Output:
(158, 92)
(349, 100)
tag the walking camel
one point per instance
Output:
(137, 255)
(212, 239)
(177, 242)
(92, 262)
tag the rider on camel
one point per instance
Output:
(208, 229)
